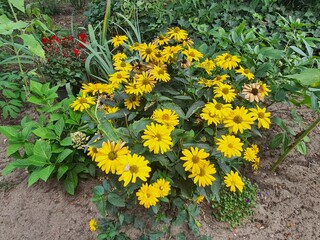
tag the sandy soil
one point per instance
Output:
(289, 206)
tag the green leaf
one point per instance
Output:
(270, 52)
(139, 125)
(175, 107)
(45, 133)
(42, 149)
(61, 171)
(19, 4)
(302, 148)
(11, 132)
(71, 182)
(59, 127)
(66, 142)
(307, 77)
(13, 148)
(115, 200)
(194, 107)
(298, 50)
(33, 178)
(45, 173)
(277, 140)
(37, 161)
(109, 131)
(263, 70)
(33, 45)
(8, 169)
(63, 155)
(98, 190)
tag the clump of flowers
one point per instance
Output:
(65, 59)
(183, 119)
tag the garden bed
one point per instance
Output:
(289, 205)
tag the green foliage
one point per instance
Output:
(45, 146)
(235, 207)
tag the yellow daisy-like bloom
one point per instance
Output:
(194, 158)
(92, 151)
(132, 102)
(252, 92)
(133, 88)
(245, 72)
(93, 225)
(162, 40)
(227, 61)
(233, 181)
(255, 148)
(264, 90)
(119, 57)
(167, 117)
(200, 199)
(177, 34)
(109, 109)
(187, 42)
(206, 82)
(122, 66)
(205, 176)
(118, 40)
(119, 77)
(134, 46)
(225, 91)
(148, 195)
(148, 51)
(238, 120)
(169, 52)
(220, 78)
(192, 54)
(163, 187)
(145, 82)
(211, 116)
(159, 58)
(249, 154)
(157, 138)
(262, 116)
(100, 88)
(109, 155)
(255, 164)
(222, 110)
(133, 167)
(82, 102)
(230, 146)
(207, 65)
(160, 74)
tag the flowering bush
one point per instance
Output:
(65, 60)
(172, 124)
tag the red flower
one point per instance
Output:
(83, 38)
(54, 38)
(76, 52)
(69, 38)
(45, 40)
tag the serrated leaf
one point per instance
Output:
(13, 148)
(66, 142)
(59, 127)
(45, 173)
(37, 161)
(307, 77)
(45, 133)
(19, 4)
(71, 182)
(277, 140)
(33, 178)
(63, 155)
(115, 200)
(194, 107)
(302, 148)
(61, 171)
(11, 132)
(33, 45)
(175, 107)
(98, 190)
(42, 149)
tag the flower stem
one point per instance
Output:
(293, 145)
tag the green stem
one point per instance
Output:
(106, 21)
(293, 145)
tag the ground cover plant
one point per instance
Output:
(170, 115)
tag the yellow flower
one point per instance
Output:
(159, 58)
(148, 195)
(119, 57)
(200, 199)
(206, 82)
(163, 187)
(220, 109)
(262, 116)
(132, 102)
(133, 88)
(239, 120)
(177, 34)
(227, 61)
(145, 82)
(166, 117)
(220, 78)
(82, 102)
(225, 91)
(205, 176)
(109, 155)
(133, 167)
(93, 225)
(157, 138)
(92, 151)
(122, 66)
(162, 40)
(169, 52)
(264, 90)
(207, 65)
(230, 146)
(100, 88)
(118, 40)
(250, 154)
(233, 181)
(160, 74)
(194, 158)
(245, 72)
(256, 163)
(192, 54)
(119, 77)
(147, 51)
(109, 109)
